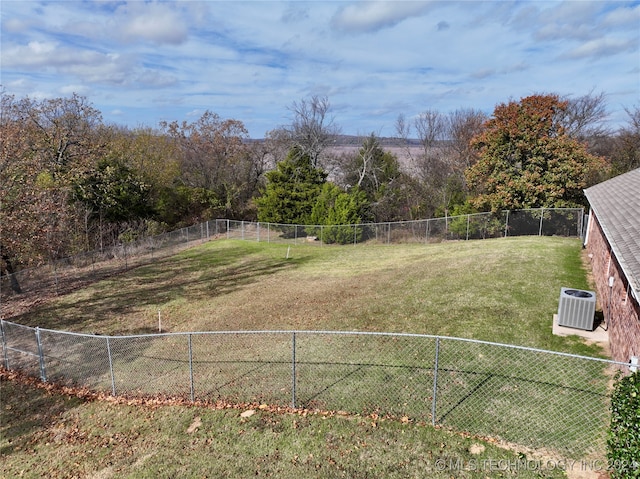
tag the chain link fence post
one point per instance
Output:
(468, 221)
(113, 378)
(435, 384)
(5, 358)
(43, 372)
(506, 225)
(293, 370)
(191, 369)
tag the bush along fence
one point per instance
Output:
(66, 274)
(623, 444)
(530, 397)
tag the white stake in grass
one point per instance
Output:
(159, 322)
(288, 249)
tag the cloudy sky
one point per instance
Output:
(141, 62)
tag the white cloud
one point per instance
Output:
(89, 66)
(37, 54)
(19, 85)
(40, 49)
(154, 60)
(623, 16)
(155, 79)
(602, 47)
(371, 16)
(158, 23)
(557, 21)
(16, 25)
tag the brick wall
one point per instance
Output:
(622, 312)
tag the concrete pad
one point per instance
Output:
(598, 335)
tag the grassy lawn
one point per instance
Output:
(57, 436)
(503, 290)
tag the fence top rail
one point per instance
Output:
(322, 332)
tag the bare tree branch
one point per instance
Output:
(312, 130)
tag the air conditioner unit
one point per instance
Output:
(577, 309)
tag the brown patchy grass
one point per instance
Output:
(503, 290)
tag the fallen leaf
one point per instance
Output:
(197, 422)
(248, 413)
(476, 448)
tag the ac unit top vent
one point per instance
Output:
(576, 293)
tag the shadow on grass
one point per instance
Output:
(27, 410)
(191, 276)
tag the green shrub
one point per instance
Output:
(623, 444)
(337, 211)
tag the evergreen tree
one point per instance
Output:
(336, 207)
(292, 190)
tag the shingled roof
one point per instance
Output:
(616, 204)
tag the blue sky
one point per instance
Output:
(141, 62)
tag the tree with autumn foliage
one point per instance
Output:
(45, 146)
(528, 160)
(215, 156)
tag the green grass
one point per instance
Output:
(503, 290)
(55, 436)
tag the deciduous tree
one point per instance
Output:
(446, 152)
(214, 154)
(527, 160)
(45, 145)
(462, 126)
(626, 150)
(377, 173)
(312, 129)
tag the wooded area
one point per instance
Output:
(71, 183)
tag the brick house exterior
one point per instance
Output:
(613, 243)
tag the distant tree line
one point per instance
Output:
(71, 183)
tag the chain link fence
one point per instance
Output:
(67, 274)
(539, 222)
(526, 396)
